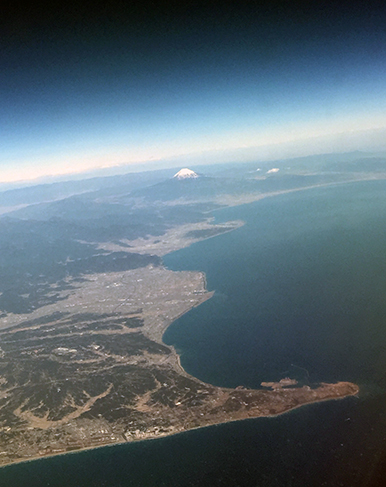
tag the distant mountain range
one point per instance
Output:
(211, 181)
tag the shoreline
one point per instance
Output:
(183, 431)
(253, 199)
(175, 363)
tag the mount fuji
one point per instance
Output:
(186, 174)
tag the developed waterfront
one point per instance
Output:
(300, 252)
(91, 369)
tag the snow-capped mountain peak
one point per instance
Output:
(185, 174)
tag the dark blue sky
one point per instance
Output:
(93, 85)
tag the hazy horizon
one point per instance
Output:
(86, 89)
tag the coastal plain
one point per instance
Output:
(85, 300)
(92, 370)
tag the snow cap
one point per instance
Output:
(185, 173)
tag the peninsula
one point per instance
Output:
(84, 303)
(91, 369)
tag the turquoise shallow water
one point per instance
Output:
(299, 291)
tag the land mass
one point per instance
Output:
(82, 361)
(91, 369)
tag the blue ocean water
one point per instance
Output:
(299, 291)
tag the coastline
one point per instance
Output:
(233, 202)
(182, 431)
(175, 363)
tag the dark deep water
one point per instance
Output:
(300, 292)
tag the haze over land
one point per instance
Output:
(87, 87)
(135, 304)
(85, 300)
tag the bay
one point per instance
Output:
(299, 291)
